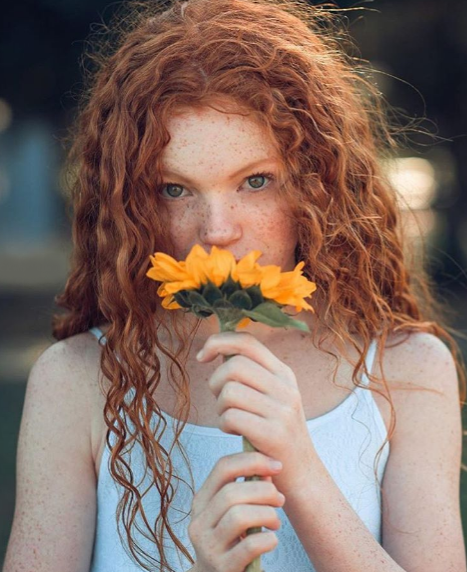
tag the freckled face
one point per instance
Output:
(218, 188)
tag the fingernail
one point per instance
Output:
(200, 355)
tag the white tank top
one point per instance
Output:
(346, 439)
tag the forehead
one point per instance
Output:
(208, 135)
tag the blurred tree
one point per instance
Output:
(423, 42)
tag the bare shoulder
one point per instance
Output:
(418, 360)
(415, 367)
(421, 524)
(76, 361)
(70, 370)
(56, 481)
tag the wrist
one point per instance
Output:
(306, 484)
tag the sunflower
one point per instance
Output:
(236, 292)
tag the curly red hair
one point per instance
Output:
(281, 61)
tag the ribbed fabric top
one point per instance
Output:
(346, 439)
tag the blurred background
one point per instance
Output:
(421, 42)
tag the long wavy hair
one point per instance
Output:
(291, 67)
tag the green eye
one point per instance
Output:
(170, 186)
(258, 179)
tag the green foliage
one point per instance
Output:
(270, 314)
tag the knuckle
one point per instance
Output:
(229, 390)
(229, 365)
(272, 514)
(229, 493)
(258, 459)
(223, 464)
(195, 505)
(228, 463)
(228, 417)
(252, 541)
(289, 372)
(271, 539)
(212, 382)
(292, 398)
(236, 515)
(193, 531)
(270, 487)
(291, 392)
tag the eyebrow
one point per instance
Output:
(266, 160)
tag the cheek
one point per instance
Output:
(181, 224)
(280, 223)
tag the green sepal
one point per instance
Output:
(201, 313)
(182, 299)
(211, 293)
(240, 299)
(229, 287)
(222, 305)
(196, 299)
(255, 294)
(271, 315)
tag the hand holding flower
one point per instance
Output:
(258, 398)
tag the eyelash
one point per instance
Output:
(269, 176)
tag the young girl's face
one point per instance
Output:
(220, 188)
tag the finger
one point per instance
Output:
(240, 518)
(232, 343)
(243, 493)
(227, 470)
(240, 396)
(248, 372)
(243, 423)
(251, 547)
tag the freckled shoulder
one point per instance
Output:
(413, 366)
(84, 356)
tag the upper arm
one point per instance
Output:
(55, 509)
(421, 527)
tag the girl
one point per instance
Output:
(238, 124)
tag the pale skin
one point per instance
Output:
(276, 381)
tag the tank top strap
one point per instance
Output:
(97, 332)
(369, 360)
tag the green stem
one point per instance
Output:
(254, 565)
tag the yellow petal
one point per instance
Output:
(270, 278)
(243, 323)
(165, 268)
(173, 287)
(170, 304)
(220, 266)
(196, 265)
(287, 288)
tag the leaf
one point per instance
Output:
(272, 315)
(240, 299)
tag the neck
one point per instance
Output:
(201, 329)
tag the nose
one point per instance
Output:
(220, 223)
